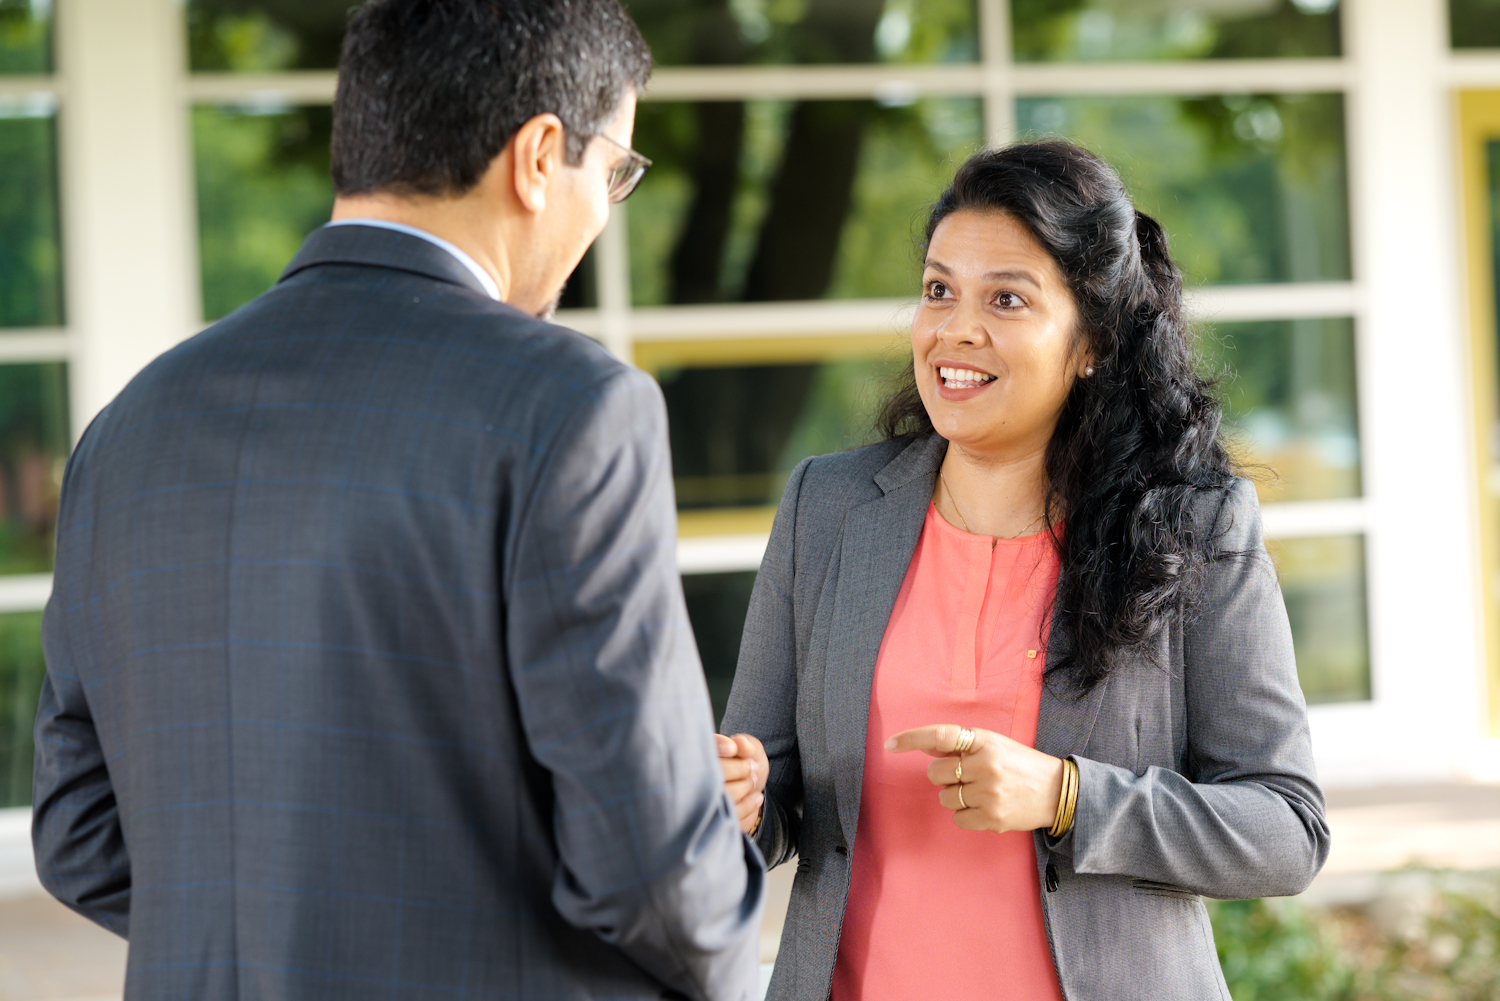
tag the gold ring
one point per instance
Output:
(958, 775)
(961, 804)
(965, 740)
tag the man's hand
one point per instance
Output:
(745, 771)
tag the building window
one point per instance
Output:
(263, 185)
(31, 292)
(1101, 30)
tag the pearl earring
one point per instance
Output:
(1088, 373)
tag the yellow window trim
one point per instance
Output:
(1478, 125)
(725, 521)
(653, 356)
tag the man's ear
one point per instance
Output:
(538, 152)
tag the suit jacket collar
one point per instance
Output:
(370, 246)
(879, 538)
(917, 461)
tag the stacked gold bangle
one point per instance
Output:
(1067, 802)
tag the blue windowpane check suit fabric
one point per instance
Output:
(369, 673)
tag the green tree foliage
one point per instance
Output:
(1250, 188)
(1280, 950)
(21, 670)
(25, 37)
(33, 445)
(1274, 951)
(259, 36)
(1474, 24)
(30, 253)
(263, 185)
(1067, 30)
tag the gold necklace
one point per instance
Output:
(965, 522)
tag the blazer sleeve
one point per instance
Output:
(763, 701)
(615, 707)
(1247, 820)
(76, 835)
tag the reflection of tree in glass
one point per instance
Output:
(729, 427)
(263, 185)
(1250, 188)
(33, 445)
(1290, 400)
(265, 35)
(738, 431)
(30, 260)
(25, 36)
(1323, 585)
(771, 228)
(1047, 30)
(21, 671)
(725, 32)
(809, 199)
(1474, 24)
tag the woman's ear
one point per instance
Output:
(1083, 361)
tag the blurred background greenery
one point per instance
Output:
(1435, 939)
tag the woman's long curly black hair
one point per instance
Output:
(1137, 443)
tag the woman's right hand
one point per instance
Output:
(745, 771)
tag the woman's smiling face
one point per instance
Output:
(995, 340)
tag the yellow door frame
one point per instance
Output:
(1478, 126)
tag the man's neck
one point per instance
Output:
(452, 219)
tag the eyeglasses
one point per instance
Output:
(624, 177)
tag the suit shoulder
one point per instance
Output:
(1229, 514)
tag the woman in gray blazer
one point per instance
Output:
(1054, 390)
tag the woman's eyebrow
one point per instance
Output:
(1013, 276)
(1002, 276)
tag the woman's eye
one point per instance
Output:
(937, 290)
(1008, 300)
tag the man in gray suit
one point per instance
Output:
(369, 672)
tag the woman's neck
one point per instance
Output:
(1001, 496)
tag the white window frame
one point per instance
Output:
(130, 257)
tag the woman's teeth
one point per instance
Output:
(963, 378)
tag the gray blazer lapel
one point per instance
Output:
(1066, 720)
(875, 551)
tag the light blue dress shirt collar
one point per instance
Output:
(437, 241)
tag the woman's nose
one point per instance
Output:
(965, 326)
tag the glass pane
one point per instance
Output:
(1289, 393)
(720, 32)
(1250, 188)
(737, 432)
(261, 36)
(1323, 582)
(26, 36)
(33, 449)
(716, 604)
(1089, 30)
(1474, 24)
(21, 670)
(770, 200)
(30, 247)
(263, 185)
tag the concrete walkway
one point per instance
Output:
(47, 953)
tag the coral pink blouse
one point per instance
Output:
(935, 911)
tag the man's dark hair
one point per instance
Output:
(430, 91)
